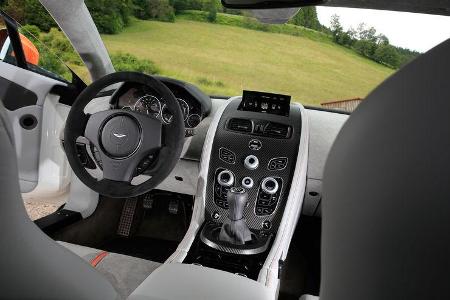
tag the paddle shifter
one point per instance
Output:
(234, 229)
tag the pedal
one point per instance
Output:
(173, 206)
(126, 219)
(148, 202)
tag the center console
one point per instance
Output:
(252, 162)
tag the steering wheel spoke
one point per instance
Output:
(118, 169)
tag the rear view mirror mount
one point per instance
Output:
(269, 4)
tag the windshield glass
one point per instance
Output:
(325, 56)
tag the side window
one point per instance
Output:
(47, 53)
(40, 57)
(6, 50)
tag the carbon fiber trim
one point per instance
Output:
(210, 238)
(271, 148)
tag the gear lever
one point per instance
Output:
(234, 229)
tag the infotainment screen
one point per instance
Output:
(265, 103)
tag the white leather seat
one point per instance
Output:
(125, 273)
(309, 297)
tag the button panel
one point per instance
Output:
(277, 163)
(220, 192)
(227, 155)
(266, 203)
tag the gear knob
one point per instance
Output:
(237, 198)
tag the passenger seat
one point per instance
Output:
(125, 273)
(309, 297)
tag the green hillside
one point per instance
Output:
(224, 60)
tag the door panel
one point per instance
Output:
(25, 93)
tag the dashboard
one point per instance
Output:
(193, 103)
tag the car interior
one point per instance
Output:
(176, 194)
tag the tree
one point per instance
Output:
(180, 5)
(382, 39)
(110, 16)
(336, 27)
(211, 8)
(307, 17)
(388, 55)
(366, 48)
(364, 33)
(154, 9)
(29, 12)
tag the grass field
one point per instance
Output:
(224, 60)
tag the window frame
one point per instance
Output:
(14, 38)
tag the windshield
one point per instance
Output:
(326, 57)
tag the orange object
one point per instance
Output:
(30, 50)
(96, 260)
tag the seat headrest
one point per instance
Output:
(386, 204)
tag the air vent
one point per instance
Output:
(241, 125)
(277, 130)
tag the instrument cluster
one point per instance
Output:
(142, 100)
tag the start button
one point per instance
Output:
(255, 144)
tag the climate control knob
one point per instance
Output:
(225, 178)
(251, 162)
(269, 185)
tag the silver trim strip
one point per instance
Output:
(198, 215)
(269, 272)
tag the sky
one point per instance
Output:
(418, 32)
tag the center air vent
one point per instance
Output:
(241, 125)
(277, 130)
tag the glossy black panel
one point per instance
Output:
(15, 96)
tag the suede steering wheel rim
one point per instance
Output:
(124, 138)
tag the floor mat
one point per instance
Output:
(147, 248)
(159, 223)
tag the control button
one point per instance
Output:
(266, 225)
(251, 162)
(218, 190)
(264, 202)
(227, 155)
(215, 215)
(247, 182)
(225, 178)
(264, 196)
(277, 163)
(255, 144)
(269, 185)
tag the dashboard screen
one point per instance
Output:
(265, 103)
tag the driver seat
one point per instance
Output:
(33, 266)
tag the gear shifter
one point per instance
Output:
(234, 229)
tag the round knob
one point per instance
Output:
(251, 162)
(269, 185)
(225, 178)
(247, 182)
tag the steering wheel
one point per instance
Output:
(124, 138)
